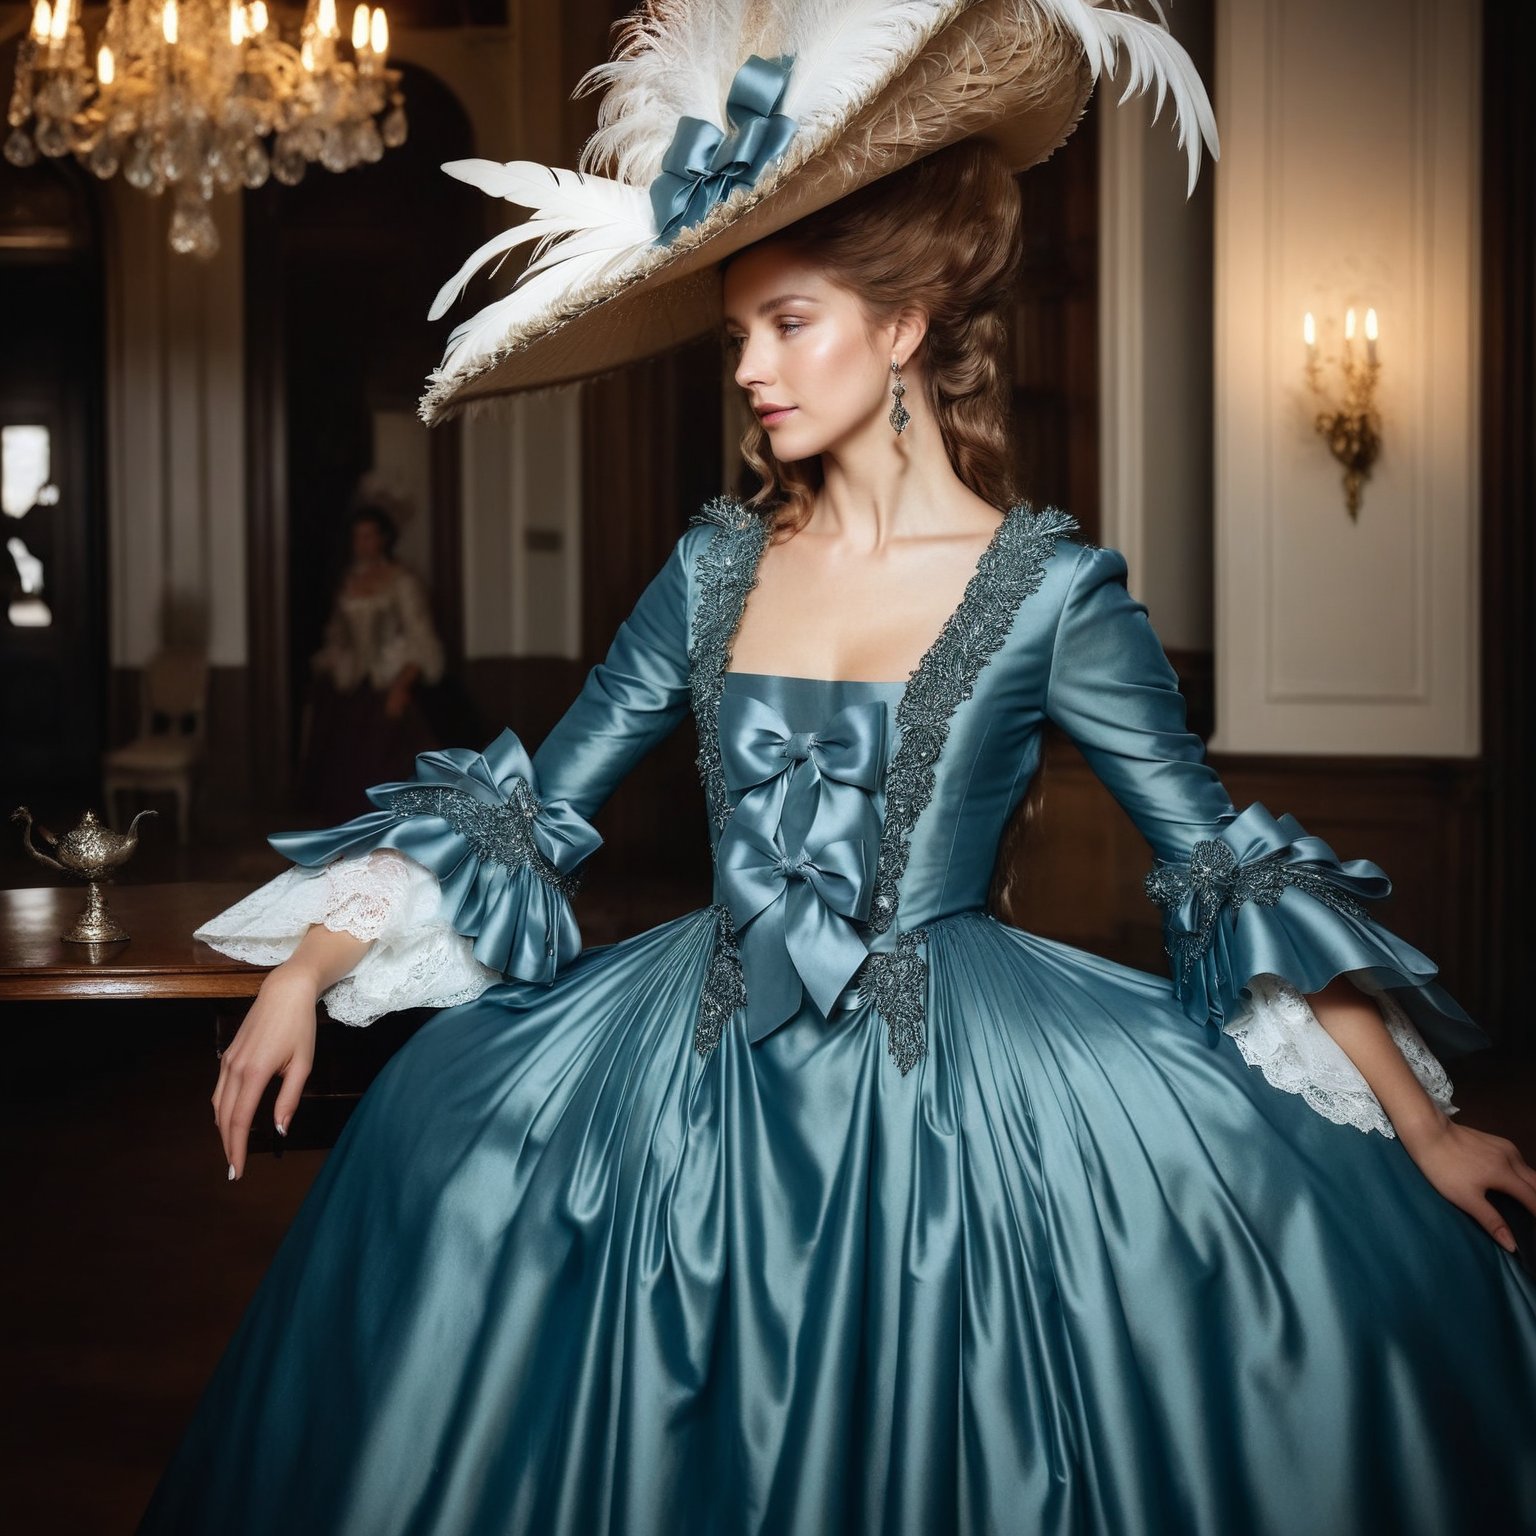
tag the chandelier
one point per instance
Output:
(203, 96)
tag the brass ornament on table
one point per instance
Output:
(1351, 430)
(92, 852)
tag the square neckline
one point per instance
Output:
(922, 661)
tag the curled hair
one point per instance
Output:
(943, 234)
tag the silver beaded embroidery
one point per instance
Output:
(725, 988)
(501, 833)
(896, 982)
(726, 572)
(1011, 568)
(1220, 885)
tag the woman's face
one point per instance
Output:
(367, 541)
(802, 342)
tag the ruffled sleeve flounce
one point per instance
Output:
(1262, 914)
(461, 877)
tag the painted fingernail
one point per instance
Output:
(282, 1127)
(231, 1170)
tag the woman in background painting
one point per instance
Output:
(364, 724)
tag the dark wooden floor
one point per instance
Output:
(131, 1257)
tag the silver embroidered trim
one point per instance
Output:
(725, 987)
(1011, 569)
(500, 833)
(1220, 884)
(896, 982)
(726, 572)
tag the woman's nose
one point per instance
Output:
(751, 365)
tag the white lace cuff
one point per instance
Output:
(414, 960)
(1280, 1035)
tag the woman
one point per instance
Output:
(840, 1205)
(380, 649)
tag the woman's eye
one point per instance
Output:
(793, 326)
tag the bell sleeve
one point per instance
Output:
(463, 875)
(1256, 913)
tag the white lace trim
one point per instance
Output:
(1280, 1035)
(414, 960)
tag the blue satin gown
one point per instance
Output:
(839, 1206)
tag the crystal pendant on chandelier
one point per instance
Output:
(204, 96)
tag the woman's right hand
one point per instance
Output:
(276, 1037)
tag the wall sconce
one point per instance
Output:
(1352, 430)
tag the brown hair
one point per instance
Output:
(946, 234)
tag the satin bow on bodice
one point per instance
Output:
(796, 861)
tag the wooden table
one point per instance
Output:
(161, 960)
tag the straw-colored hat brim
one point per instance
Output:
(997, 70)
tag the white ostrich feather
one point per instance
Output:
(845, 50)
(1154, 57)
(677, 58)
(587, 215)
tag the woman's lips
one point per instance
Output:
(772, 418)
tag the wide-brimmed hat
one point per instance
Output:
(724, 121)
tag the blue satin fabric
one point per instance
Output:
(521, 923)
(702, 166)
(796, 862)
(1081, 1272)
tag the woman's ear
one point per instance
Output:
(909, 327)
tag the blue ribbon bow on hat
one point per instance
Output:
(703, 166)
(794, 912)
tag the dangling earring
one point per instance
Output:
(900, 415)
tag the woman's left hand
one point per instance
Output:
(1464, 1164)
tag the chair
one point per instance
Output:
(168, 751)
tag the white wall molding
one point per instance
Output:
(1349, 177)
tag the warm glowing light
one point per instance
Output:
(258, 17)
(360, 28)
(1370, 325)
(380, 42)
(325, 18)
(170, 22)
(307, 55)
(106, 66)
(59, 29)
(1349, 325)
(42, 22)
(237, 24)
(1309, 330)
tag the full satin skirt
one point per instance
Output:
(1083, 1270)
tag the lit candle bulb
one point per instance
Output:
(258, 17)
(380, 41)
(170, 22)
(42, 22)
(106, 66)
(59, 28)
(1370, 335)
(360, 29)
(307, 56)
(325, 18)
(237, 24)
(1309, 335)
